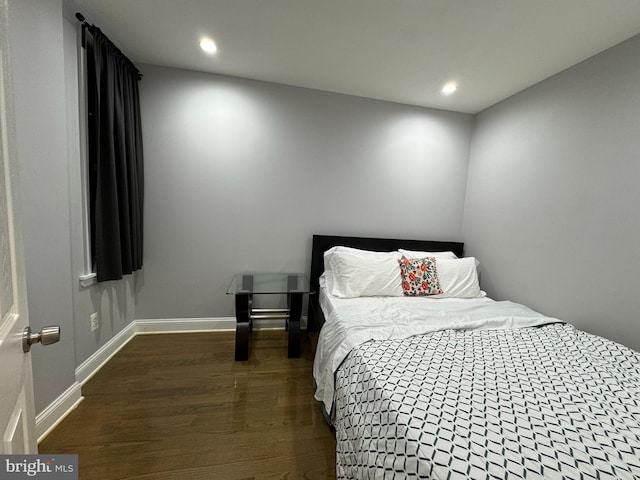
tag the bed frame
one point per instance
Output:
(322, 243)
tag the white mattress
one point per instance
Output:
(432, 389)
(353, 321)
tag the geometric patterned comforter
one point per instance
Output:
(549, 402)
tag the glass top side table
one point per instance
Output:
(245, 285)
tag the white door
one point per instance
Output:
(17, 417)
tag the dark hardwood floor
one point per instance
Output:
(177, 406)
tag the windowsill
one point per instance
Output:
(88, 279)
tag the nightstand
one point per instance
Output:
(245, 285)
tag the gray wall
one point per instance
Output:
(239, 174)
(552, 207)
(43, 55)
(39, 86)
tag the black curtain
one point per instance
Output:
(116, 174)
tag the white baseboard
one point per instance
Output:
(184, 325)
(95, 362)
(193, 325)
(62, 406)
(51, 416)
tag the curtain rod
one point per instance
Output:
(86, 25)
(80, 17)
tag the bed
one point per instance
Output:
(438, 386)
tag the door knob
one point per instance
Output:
(47, 336)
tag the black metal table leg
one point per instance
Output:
(295, 312)
(243, 326)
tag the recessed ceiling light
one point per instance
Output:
(449, 88)
(208, 46)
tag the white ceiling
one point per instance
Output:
(396, 50)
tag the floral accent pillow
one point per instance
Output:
(419, 276)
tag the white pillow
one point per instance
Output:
(458, 278)
(351, 272)
(438, 255)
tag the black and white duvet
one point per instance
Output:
(500, 393)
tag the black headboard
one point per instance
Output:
(322, 243)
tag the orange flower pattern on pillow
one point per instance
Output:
(419, 276)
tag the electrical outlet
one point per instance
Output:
(93, 318)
